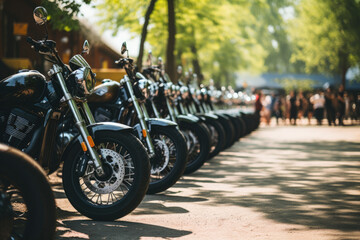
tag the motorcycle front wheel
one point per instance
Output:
(170, 158)
(27, 204)
(198, 144)
(123, 186)
(218, 137)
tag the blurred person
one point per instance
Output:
(302, 105)
(318, 101)
(357, 108)
(267, 109)
(258, 104)
(293, 104)
(329, 106)
(347, 99)
(278, 108)
(352, 108)
(309, 109)
(340, 105)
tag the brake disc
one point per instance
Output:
(115, 163)
(165, 157)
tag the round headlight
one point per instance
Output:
(81, 82)
(184, 92)
(154, 89)
(142, 89)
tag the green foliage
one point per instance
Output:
(327, 35)
(62, 13)
(226, 36)
(290, 84)
(116, 14)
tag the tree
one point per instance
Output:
(327, 35)
(62, 13)
(170, 57)
(144, 31)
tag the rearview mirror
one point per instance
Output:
(123, 48)
(86, 47)
(40, 15)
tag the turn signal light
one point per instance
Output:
(144, 132)
(83, 146)
(91, 141)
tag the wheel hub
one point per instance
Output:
(162, 156)
(114, 169)
(191, 140)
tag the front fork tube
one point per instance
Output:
(183, 109)
(88, 113)
(141, 117)
(172, 112)
(193, 108)
(79, 121)
(156, 112)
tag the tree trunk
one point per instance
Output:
(196, 64)
(170, 58)
(149, 10)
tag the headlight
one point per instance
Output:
(167, 87)
(81, 82)
(184, 92)
(154, 89)
(141, 89)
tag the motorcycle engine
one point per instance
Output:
(18, 128)
(102, 115)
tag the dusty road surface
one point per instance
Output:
(278, 183)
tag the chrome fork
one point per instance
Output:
(79, 121)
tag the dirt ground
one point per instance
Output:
(287, 182)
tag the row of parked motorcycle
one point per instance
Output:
(116, 142)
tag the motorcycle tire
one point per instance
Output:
(243, 126)
(200, 151)
(29, 187)
(229, 130)
(165, 171)
(237, 130)
(127, 171)
(218, 132)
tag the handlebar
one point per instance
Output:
(42, 46)
(122, 61)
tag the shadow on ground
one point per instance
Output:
(86, 229)
(313, 184)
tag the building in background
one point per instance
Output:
(16, 23)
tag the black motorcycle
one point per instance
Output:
(124, 102)
(163, 105)
(106, 168)
(190, 102)
(27, 204)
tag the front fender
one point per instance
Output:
(107, 126)
(93, 130)
(187, 118)
(208, 116)
(160, 122)
(153, 123)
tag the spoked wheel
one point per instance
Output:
(229, 129)
(218, 137)
(27, 205)
(198, 144)
(124, 184)
(170, 158)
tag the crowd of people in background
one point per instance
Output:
(335, 105)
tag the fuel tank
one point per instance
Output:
(107, 92)
(23, 88)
